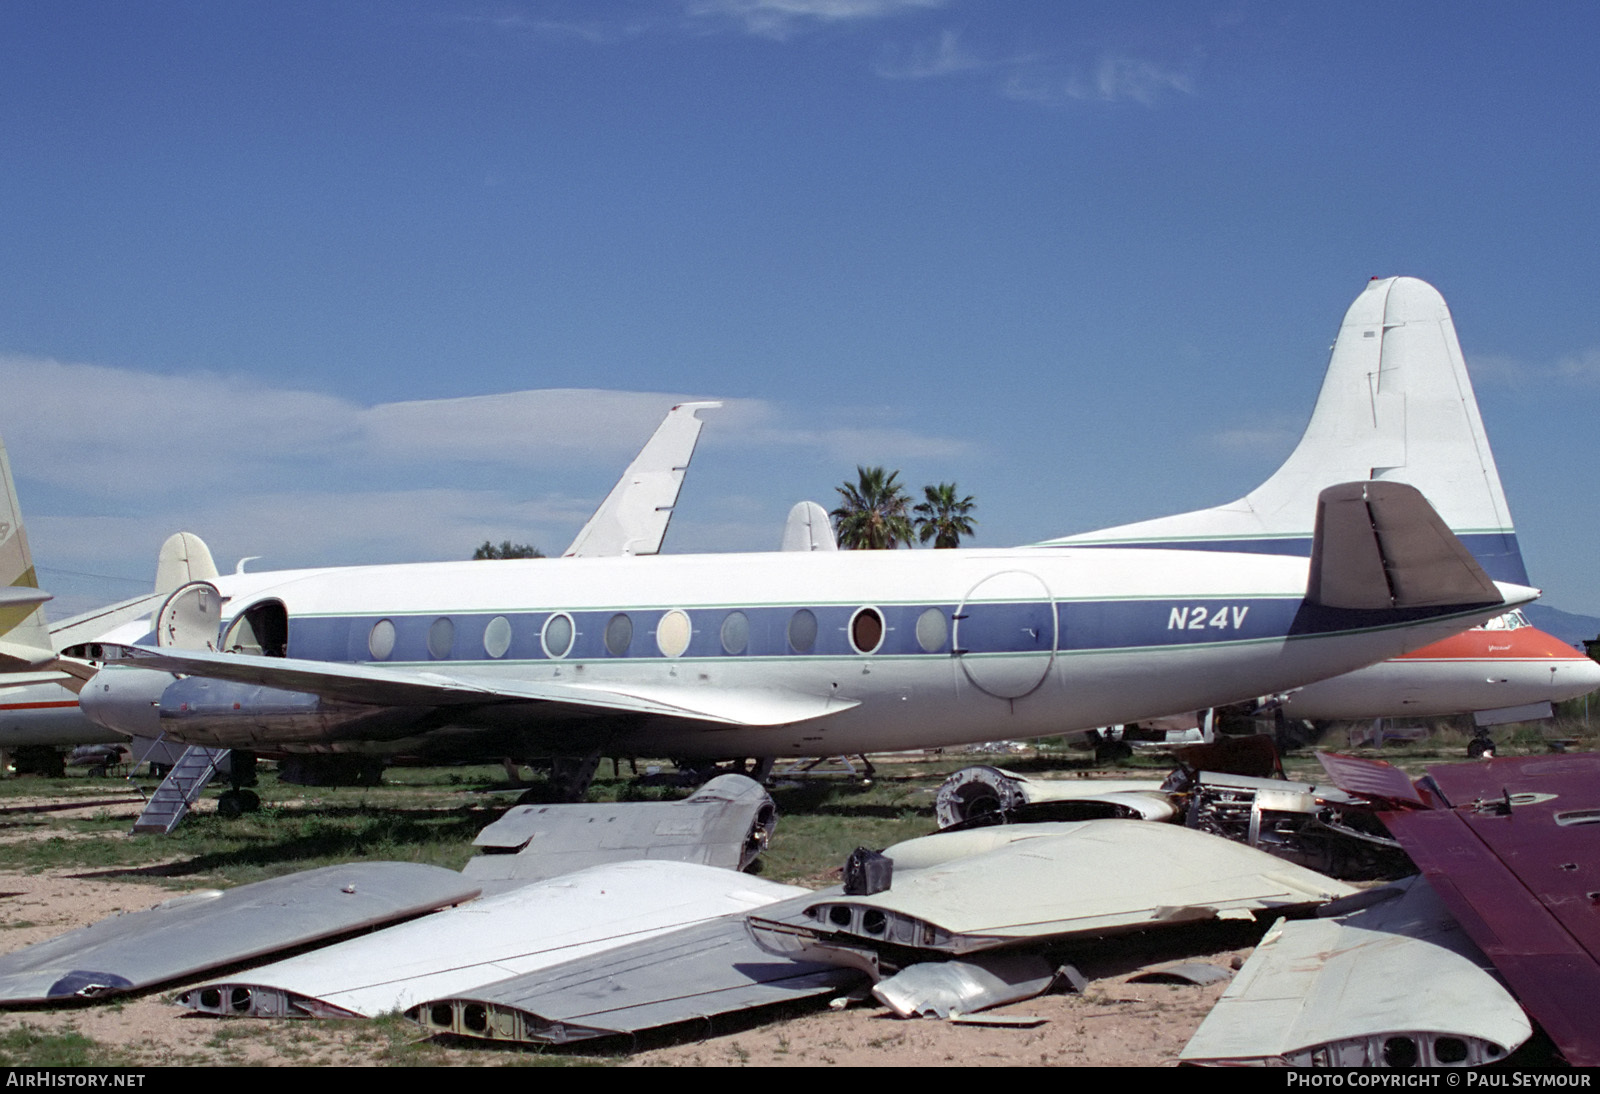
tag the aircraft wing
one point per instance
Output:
(633, 519)
(382, 686)
(1510, 845)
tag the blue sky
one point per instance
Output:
(278, 272)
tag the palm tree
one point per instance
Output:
(876, 511)
(943, 518)
(507, 549)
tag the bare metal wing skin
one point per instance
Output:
(512, 933)
(207, 929)
(695, 973)
(726, 823)
(1395, 984)
(967, 891)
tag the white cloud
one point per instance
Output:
(1112, 78)
(943, 56)
(781, 19)
(304, 478)
(1119, 78)
(1583, 366)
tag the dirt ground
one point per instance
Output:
(1112, 1023)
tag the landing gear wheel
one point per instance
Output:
(1479, 747)
(236, 803)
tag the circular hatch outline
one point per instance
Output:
(997, 684)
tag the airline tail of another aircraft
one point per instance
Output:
(24, 634)
(1396, 406)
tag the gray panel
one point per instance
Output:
(207, 929)
(709, 969)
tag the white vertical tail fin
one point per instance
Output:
(808, 529)
(633, 519)
(1396, 406)
(24, 635)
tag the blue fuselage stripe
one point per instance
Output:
(986, 628)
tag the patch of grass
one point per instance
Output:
(28, 1045)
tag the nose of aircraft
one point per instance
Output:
(1576, 677)
(1571, 673)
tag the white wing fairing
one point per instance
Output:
(783, 654)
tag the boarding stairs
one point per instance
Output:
(180, 789)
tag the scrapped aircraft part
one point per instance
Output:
(514, 933)
(1375, 780)
(1009, 615)
(1379, 545)
(728, 822)
(946, 989)
(1071, 879)
(1398, 984)
(191, 618)
(992, 795)
(1194, 973)
(1319, 827)
(807, 528)
(1255, 755)
(695, 973)
(633, 518)
(203, 930)
(1513, 850)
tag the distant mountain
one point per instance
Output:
(1567, 626)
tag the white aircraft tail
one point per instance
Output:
(1396, 406)
(24, 634)
(184, 558)
(808, 529)
(633, 519)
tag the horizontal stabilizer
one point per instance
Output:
(1380, 545)
(353, 683)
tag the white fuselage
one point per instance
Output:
(904, 649)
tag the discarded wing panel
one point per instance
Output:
(1074, 881)
(527, 928)
(949, 988)
(694, 973)
(203, 930)
(993, 795)
(1513, 848)
(727, 823)
(1395, 984)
